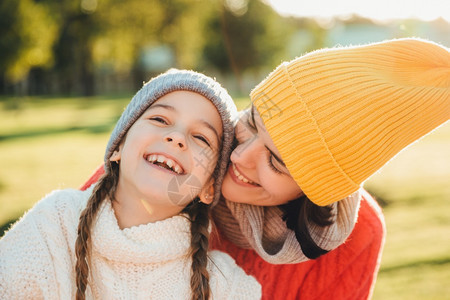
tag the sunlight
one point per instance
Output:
(380, 10)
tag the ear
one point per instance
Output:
(117, 154)
(207, 194)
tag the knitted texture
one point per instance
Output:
(181, 80)
(37, 257)
(338, 115)
(262, 228)
(347, 273)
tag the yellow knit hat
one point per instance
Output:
(338, 115)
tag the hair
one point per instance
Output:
(199, 216)
(105, 188)
(197, 211)
(300, 212)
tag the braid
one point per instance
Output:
(105, 188)
(199, 216)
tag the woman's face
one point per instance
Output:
(256, 174)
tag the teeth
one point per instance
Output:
(162, 159)
(170, 163)
(240, 176)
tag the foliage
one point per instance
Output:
(88, 47)
(27, 34)
(80, 41)
(252, 35)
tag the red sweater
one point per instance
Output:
(348, 272)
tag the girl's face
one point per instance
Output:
(256, 174)
(170, 152)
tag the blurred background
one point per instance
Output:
(69, 67)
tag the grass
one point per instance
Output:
(48, 144)
(52, 143)
(56, 143)
(415, 186)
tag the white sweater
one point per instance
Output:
(37, 259)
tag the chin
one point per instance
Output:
(230, 191)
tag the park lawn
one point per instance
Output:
(56, 143)
(52, 143)
(48, 144)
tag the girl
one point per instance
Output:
(142, 230)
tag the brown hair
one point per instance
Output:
(105, 189)
(300, 212)
(198, 215)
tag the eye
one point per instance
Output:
(203, 139)
(271, 164)
(251, 123)
(159, 120)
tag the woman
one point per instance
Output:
(323, 123)
(319, 126)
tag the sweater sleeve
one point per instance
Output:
(31, 252)
(349, 272)
(229, 281)
(22, 262)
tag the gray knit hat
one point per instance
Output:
(180, 80)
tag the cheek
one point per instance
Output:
(205, 161)
(281, 188)
(134, 137)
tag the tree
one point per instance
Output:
(27, 33)
(132, 26)
(245, 37)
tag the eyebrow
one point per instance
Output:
(169, 107)
(268, 149)
(252, 114)
(212, 128)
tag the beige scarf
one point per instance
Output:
(263, 229)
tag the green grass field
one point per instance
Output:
(56, 143)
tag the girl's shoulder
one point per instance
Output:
(62, 206)
(41, 245)
(54, 215)
(67, 199)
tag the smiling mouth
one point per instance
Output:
(242, 177)
(165, 162)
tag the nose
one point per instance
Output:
(246, 154)
(177, 139)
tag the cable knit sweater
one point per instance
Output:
(347, 273)
(149, 261)
(261, 227)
